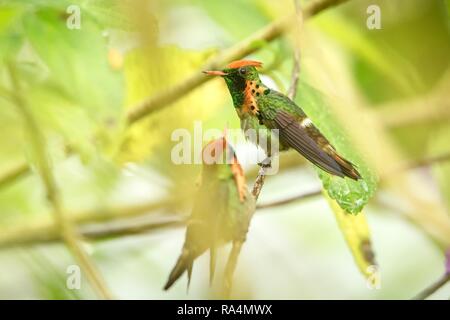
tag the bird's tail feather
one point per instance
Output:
(212, 263)
(348, 168)
(189, 273)
(184, 262)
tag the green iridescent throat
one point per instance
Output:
(236, 88)
(237, 83)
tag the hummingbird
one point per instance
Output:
(260, 107)
(222, 209)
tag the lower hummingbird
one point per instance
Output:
(222, 209)
(260, 107)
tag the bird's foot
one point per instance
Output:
(266, 163)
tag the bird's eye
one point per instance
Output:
(242, 71)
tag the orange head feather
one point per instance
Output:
(243, 63)
(213, 154)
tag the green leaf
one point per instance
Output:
(351, 195)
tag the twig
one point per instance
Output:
(127, 229)
(437, 285)
(428, 161)
(292, 91)
(101, 231)
(68, 233)
(301, 196)
(433, 288)
(241, 49)
(259, 183)
(47, 232)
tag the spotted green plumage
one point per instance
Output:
(259, 107)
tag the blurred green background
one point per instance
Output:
(388, 90)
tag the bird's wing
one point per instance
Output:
(291, 133)
(273, 109)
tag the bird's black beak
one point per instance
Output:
(215, 73)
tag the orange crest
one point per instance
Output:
(213, 150)
(211, 155)
(244, 63)
(239, 178)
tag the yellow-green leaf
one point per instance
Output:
(356, 233)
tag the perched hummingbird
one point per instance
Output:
(260, 107)
(222, 209)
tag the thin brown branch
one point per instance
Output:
(411, 165)
(292, 91)
(302, 196)
(239, 50)
(68, 233)
(105, 230)
(259, 183)
(42, 232)
(433, 288)
(428, 161)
